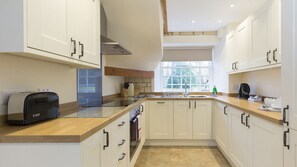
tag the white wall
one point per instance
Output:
(264, 82)
(17, 72)
(221, 79)
(110, 84)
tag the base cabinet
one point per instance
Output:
(247, 140)
(115, 137)
(290, 151)
(266, 143)
(202, 119)
(239, 138)
(161, 119)
(221, 126)
(183, 118)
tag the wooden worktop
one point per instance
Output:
(65, 130)
(62, 130)
(242, 104)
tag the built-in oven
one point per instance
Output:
(135, 130)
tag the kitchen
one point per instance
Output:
(174, 57)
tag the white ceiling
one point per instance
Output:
(207, 13)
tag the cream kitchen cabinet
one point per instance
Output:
(238, 138)
(202, 119)
(289, 45)
(230, 51)
(115, 137)
(63, 31)
(183, 119)
(266, 143)
(221, 126)
(85, 154)
(266, 35)
(192, 119)
(290, 150)
(238, 47)
(254, 142)
(161, 119)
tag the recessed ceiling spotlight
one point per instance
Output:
(219, 21)
(193, 21)
(232, 5)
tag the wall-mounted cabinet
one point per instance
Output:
(238, 47)
(63, 31)
(255, 43)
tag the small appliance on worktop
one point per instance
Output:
(31, 107)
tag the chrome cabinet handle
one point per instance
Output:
(123, 156)
(247, 121)
(82, 50)
(141, 108)
(285, 115)
(74, 47)
(267, 56)
(233, 66)
(242, 118)
(274, 55)
(285, 139)
(161, 102)
(195, 105)
(189, 104)
(122, 124)
(122, 143)
(107, 139)
(225, 112)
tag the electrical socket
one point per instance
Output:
(5, 95)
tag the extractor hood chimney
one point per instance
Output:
(109, 46)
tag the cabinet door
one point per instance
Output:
(88, 30)
(230, 51)
(290, 154)
(221, 126)
(289, 45)
(202, 119)
(183, 119)
(108, 151)
(47, 26)
(92, 150)
(266, 143)
(260, 40)
(239, 139)
(161, 119)
(143, 121)
(275, 31)
(243, 44)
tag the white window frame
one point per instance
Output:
(210, 76)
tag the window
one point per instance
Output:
(197, 75)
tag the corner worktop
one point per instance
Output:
(74, 130)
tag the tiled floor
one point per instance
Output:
(181, 157)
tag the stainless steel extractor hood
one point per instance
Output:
(109, 46)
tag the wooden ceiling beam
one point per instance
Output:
(164, 11)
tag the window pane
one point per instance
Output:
(195, 88)
(167, 80)
(176, 71)
(186, 80)
(186, 71)
(204, 71)
(167, 71)
(195, 71)
(204, 80)
(176, 80)
(195, 80)
(205, 63)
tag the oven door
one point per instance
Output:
(135, 135)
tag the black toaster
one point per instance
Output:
(31, 107)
